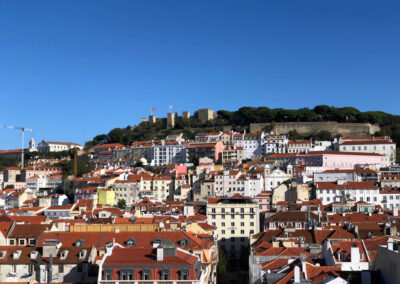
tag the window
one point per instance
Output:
(242, 224)
(232, 232)
(130, 275)
(145, 275)
(184, 242)
(251, 223)
(184, 275)
(123, 275)
(242, 232)
(165, 274)
(21, 242)
(131, 242)
(30, 269)
(232, 216)
(223, 224)
(32, 242)
(14, 269)
(223, 232)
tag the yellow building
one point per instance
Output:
(236, 219)
(106, 196)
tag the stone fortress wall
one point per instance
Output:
(308, 128)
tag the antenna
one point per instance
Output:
(23, 137)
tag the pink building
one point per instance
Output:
(329, 160)
(264, 201)
(212, 150)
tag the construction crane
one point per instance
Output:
(23, 129)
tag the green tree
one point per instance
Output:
(121, 203)
(70, 185)
(116, 136)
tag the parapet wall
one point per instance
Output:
(308, 128)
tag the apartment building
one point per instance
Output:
(342, 190)
(236, 219)
(167, 152)
(330, 160)
(273, 144)
(299, 146)
(231, 154)
(212, 150)
(381, 145)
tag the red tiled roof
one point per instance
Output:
(347, 185)
(339, 153)
(357, 218)
(359, 171)
(366, 142)
(109, 145)
(147, 257)
(68, 239)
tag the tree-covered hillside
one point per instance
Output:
(241, 119)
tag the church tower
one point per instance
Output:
(32, 145)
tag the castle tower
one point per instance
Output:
(170, 120)
(185, 114)
(205, 114)
(152, 119)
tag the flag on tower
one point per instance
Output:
(171, 107)
(153, 109)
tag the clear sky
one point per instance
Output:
(73, 69)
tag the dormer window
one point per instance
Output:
(33, 255)
(165, 274)
(16, 254)
(64, 254)
(157, 242)
(146, 275)
(184, 242)
(79, 243)
(131, 242)
(184, 275)
(109, 244)
(82, 254)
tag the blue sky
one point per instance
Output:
(73, 69)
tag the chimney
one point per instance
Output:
(296, 274)
(390, 244)
(395, 212)
(160, 253)
(355, 253)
